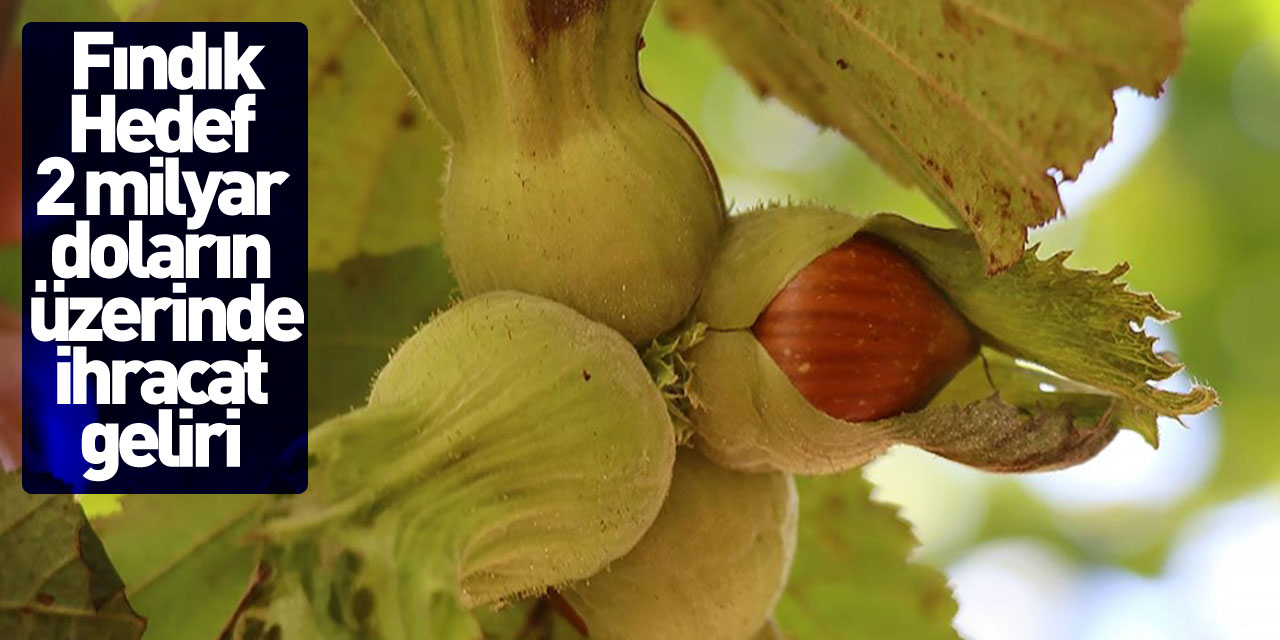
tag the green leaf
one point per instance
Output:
(851, 579)
(171, 549)
(972, 100)
(57, 581)
(359, 313)
(375, 160)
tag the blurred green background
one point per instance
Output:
(1180, 543)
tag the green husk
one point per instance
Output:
(712, 567)
(509, 445)
(566, 179)
(1005, 412)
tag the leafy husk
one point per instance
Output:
(1003, 413)
(1084, 325)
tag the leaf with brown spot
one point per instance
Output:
(57, 581)
(974, 101)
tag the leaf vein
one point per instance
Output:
(941, 90)
(238, 515)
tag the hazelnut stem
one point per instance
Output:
(523, 71)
